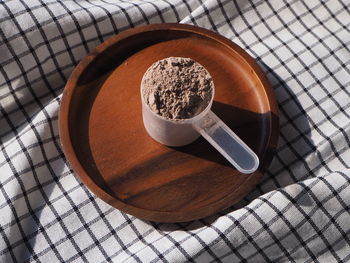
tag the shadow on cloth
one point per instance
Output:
(32, 198)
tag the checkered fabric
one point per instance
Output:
(298, 213)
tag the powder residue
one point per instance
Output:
(177, 88)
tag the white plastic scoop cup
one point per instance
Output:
(215, 131)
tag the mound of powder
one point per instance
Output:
(177, 88)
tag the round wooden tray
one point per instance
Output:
(105, 142)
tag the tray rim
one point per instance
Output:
(152, 215)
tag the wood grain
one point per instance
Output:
(104, 140)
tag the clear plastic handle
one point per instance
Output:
(227, 143)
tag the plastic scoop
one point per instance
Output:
(207, 124)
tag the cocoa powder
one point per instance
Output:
(177, 88)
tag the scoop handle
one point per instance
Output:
(218, 134)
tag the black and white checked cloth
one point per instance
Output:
(298, 213)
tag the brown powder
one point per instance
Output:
(177, 88)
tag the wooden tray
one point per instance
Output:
(104, 140)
